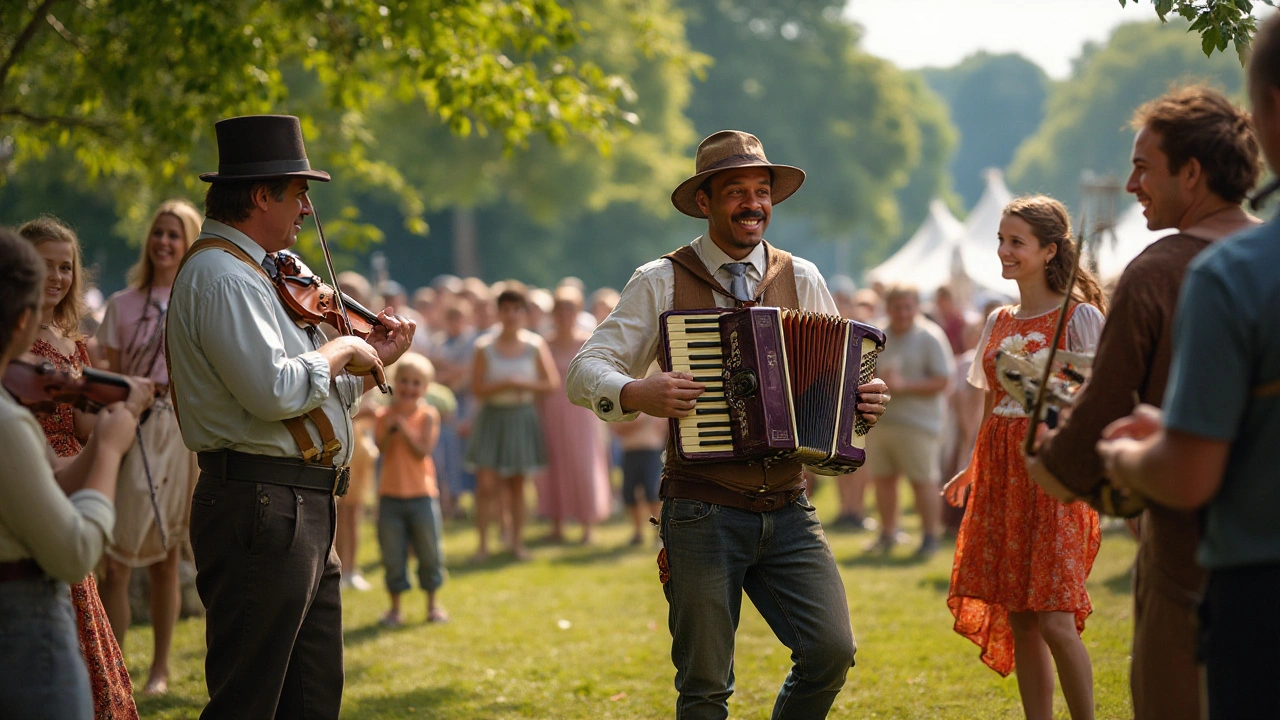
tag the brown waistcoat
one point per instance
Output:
(695, 289)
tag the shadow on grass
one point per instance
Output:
(937, 583)
(1120, 583)
(434, 702)
(151, 705)
(876, 560)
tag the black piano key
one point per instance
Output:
(715, 329)
(703, 344)
(706, 357)
(717, 434)
(706, 366)
(713, 424)
(710, 398)
(716, 443)
(706, 378)
(711, 412)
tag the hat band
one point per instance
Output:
(733, 160)
(268, 167)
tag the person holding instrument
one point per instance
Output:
(265, 399)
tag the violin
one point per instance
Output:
(313, 301)
(41, 387)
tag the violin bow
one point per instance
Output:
(337, 289)
(1028, 443)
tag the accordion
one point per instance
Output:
(780, 384)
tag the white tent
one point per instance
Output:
(978, 244)
(1115, 250)
(926, 259)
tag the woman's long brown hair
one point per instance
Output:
(1051, 225)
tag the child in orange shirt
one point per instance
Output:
(408, 498)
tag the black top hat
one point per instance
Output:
(253, 147)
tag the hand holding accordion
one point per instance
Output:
(780, 383)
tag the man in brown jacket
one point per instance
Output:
(728, 527)
(1195, 157)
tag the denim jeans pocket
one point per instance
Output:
(804, 503)
(683, 513)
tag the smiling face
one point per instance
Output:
(738, 208)
(59, 261)
(1021, 254)
(512, 315)
(410, 385)
(1164, 195)
(166, 243)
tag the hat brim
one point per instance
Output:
(213, 177)
(786, 180)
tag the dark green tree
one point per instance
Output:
(995, 101)
(1218, 22)
(1086, 124)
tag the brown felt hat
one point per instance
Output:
(255, 147)
(730, 150)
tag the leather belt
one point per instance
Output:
(720, 495)
(292, 472)
(24, 569)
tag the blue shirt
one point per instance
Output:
(1224, 384)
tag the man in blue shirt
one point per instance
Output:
(1216, 445)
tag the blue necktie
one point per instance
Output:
(738, 280)
(269, 264)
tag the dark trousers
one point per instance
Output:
(268, 576)
(1240, 642)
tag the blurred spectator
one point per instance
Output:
(950, 318)
(603, 302)
(482, 306)
(540, 305)
(454, 350)
(964, 403)
(364, 457)
(917, 363)
(575, 485)
(511, 367)
(426, 303)
(643, 440)
(394, 296)
(866, 306)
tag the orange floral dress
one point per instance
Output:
(108, 676)
(1018, 549)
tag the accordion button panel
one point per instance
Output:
(694, 347)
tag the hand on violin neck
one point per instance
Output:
(392, 336)
(142, 394)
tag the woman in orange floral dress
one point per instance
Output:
(1022, 557)
(60, 342)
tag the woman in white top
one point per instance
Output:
(511, 366)
(47, 538)
(146, 535)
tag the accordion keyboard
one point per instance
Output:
(695, 348)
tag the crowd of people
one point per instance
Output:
(238, 436)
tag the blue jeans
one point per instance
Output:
(782, 561)
(402, 521)
(42, 673)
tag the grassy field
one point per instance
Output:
(580, 632)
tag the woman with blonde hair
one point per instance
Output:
(1022, 557)
(150, 535)
(61, 343)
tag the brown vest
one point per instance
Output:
(695, 289)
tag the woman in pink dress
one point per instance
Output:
(575, 485)
(61, 343)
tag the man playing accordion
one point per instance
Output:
(720, 541)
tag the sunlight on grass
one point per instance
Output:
(580, 632)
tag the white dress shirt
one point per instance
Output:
(241, 364)
(626, 343)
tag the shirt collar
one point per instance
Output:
(713, 257)
(215, 228)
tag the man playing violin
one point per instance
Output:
(265, 399)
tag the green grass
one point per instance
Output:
(580, 632)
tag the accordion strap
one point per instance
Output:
(695, 286)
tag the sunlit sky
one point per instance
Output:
(939, 33)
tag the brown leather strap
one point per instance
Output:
(776, 289)
(296, 425)
(720, 495)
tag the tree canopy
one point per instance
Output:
(1218, 22)
(132, 87)
(1086, 124)
(996, 101)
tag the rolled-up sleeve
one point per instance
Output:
(238, 333)
(621, 348)
(65, 536)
